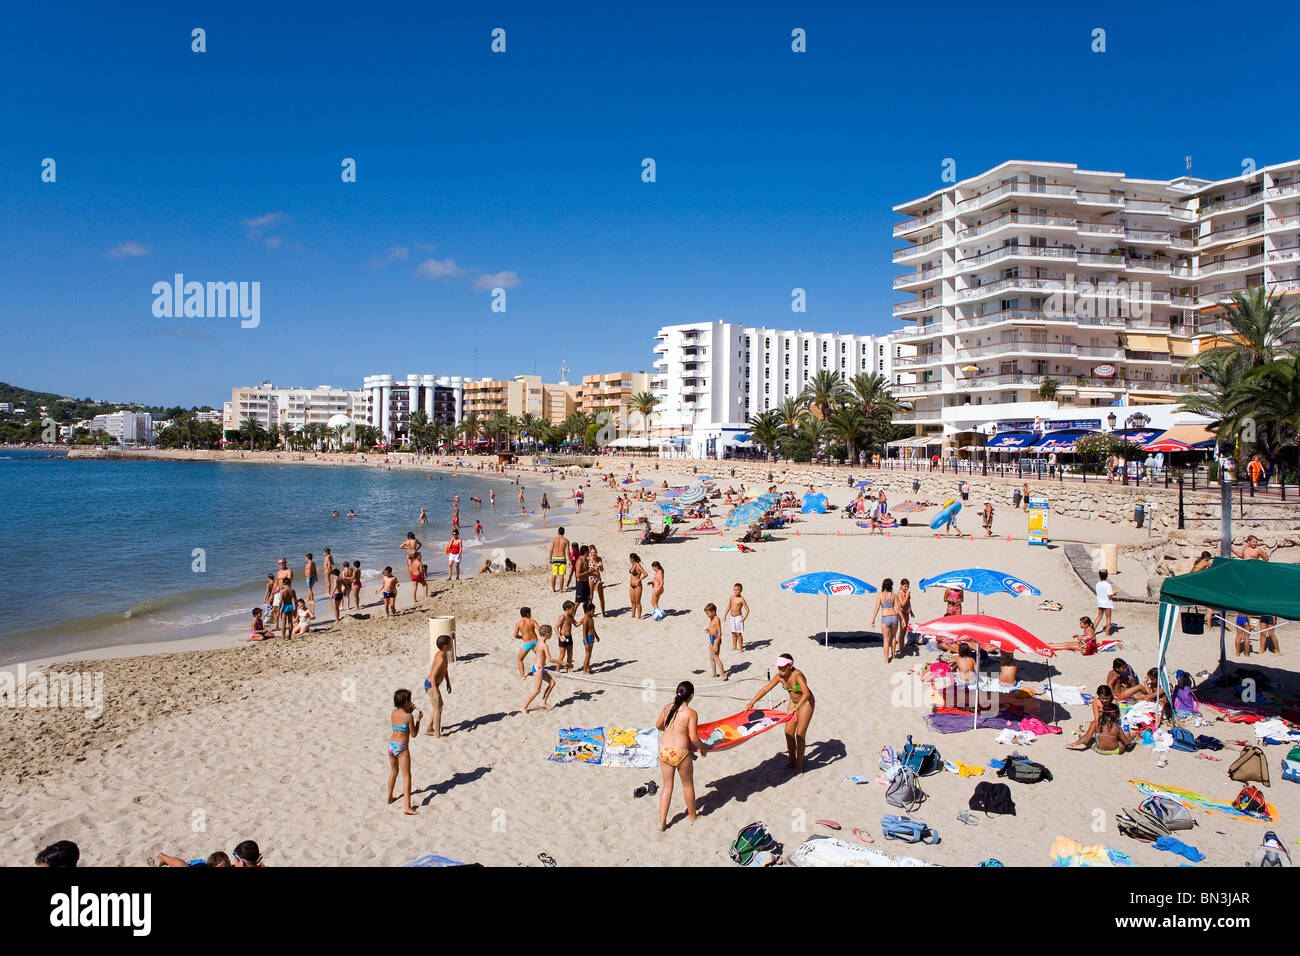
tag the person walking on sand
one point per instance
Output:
(559, 558)
(679, 730)
(454, 547)
(545, 505)
(399, 746)
(636, 574)
(541, 657)
(415, 568)
(656, 586)
(737, 614)
(887, 608)
(1105, 602)
(439, 673)
(521, 499)
(525, 632)
(309, 573)
(986, 519)
(713, 630)
(802, 704)
(904, 610)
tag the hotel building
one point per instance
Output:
(128, 428)
(290, 408)
(612, 394)
(1103, 283)
(388, 402)
(710, 377)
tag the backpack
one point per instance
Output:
(1172, 814)
(907, 830)
(923, 758)
(992, 798)
(1291, 765)
(753, 839)
(1251, 766)
(1250, 800)
(1183, 740)
(904, 790)
(1024, 770)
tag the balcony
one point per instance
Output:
(1150, 265)
(919, 249)
(1227, 205)
(1056, 282)
(1231, 265)
(1018, 188)
(1101, 229)
(915, 361)
(1147, 205)
(1006, 315)
(1284, 222)
(922, 331)
(1017, 346)
(917, 388)
(1233, 234)
(1014, 219)
(917, 305)
(1101, 260)
(1001, 379)
(912, 225)
(1147, 236)
(1283, 191)
(1015, 252)
(919, 277)
(1115, 200)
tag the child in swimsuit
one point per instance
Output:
(713, 631)
(399, 753)
(439, 673)
(388, 591)
(525, 631)
(679, 730)
(541, 658)
(589, 636)
(258, 631)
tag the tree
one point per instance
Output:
(417, 429)
(872, 396)
(1270, 396)
(1217, 395)
(790, 413)
(765, 429)
(251, 431)
(1257, 326)
(644, 404)
(824, 391)
(1047, 388)
(848, 425)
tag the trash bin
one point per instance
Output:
(1110, 558)
(438, 626)
(1139, 515)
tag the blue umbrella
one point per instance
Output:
(813, 504)
(692, 496)
(864, 483)
(672, 509)
(747, 513)
(827, 583)
(981, 581)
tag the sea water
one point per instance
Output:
(97, 553)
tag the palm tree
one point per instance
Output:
(253, 429)
(1257, 325)
(1270, 396)
(824, 391)
(848, 425)
(417, 429)
(766, 430)
(790, 412)
(644, 404)
(814, 430)
(872, 396)
(469, 428)
(1047, 388)
(1217, 394)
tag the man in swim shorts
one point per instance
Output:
(559, 560)
(309, 572)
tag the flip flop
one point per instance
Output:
(967, 819)
(828, 823)
(547, 859)
(862, 835)
(640, 792)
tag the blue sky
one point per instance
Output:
(774, 169)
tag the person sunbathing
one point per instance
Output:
(1121, 678)
(1102, 698)
(1084, 643)
(1110, 737)
(707, 526)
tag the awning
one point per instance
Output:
(1009, 441)
(1194, 436)
(1146, 343)
(1137, 436)
(917, 442)
(1182, 348)
(1060, 441)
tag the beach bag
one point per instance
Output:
(923, 758)
(1250, 800)
(904, 791)
(887, 757)
(1206, 742)
(1140, 826)
(755, 838)
(906, 829)
(1251, 766)
(1183, 740)
(1291, 765)
(1024, 770)
(1193, 622)
(1171, 814)
(1272, 852)
(993, 798)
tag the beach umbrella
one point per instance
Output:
(747, 513)
(992, 632)
(672, 510)
(1167, 445)
(813, 504)
(981, 581)
(827, 583)
(864, 483)
(692, 496)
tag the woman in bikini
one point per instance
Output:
(887, 609)
(595, 586)
(345, 576)
(637, 573)
(678, 731)
(399, 746)
(656, 586)
(802, 704)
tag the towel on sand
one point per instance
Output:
(1066, 852)
(579, 745)
(631, 747)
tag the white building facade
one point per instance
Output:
(389, 401)
(711, 377)
(1101, 283)
(127, 428)
(291, 409)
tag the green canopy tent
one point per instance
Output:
(1252, 588)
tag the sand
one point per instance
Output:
(284, 742)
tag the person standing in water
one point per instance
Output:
(801, 705)
(423, 519)
(679, 730)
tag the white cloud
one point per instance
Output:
(127, 250)
(393, 254)
(438, 269)
(257, 224)
(506, 279)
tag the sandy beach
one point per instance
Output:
(284, 742)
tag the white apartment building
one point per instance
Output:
(710, 377)
(388, 401)
(128, 428)
(291, 408)
(1104, 283)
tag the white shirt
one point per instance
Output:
(1104, 591)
